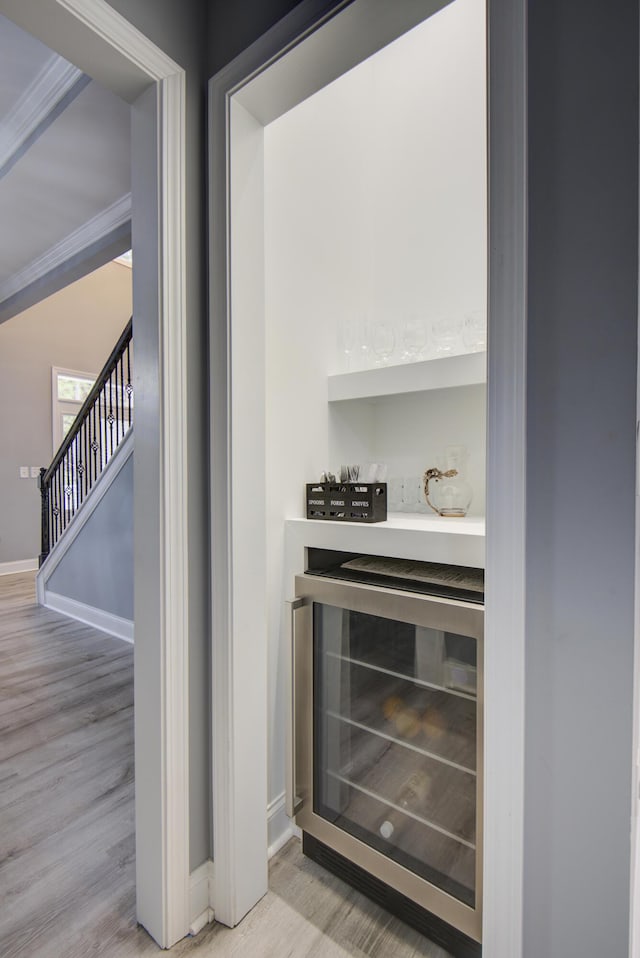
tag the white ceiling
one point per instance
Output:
(65, 204)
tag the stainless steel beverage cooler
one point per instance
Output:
(386, 748)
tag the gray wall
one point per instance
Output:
(83, 574)
(233, 26)
(582, 298)
(76, 329)
(179, 30)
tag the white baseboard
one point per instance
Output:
(201, 910)
(98, 618)
(280, 828)
(200, 897)
(20, 565)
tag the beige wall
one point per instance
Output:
(76, 328)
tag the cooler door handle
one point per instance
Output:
(293, 800)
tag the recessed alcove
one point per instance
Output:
(366, 197)
(321, 227)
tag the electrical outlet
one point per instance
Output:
(24, 472)
(35, 472)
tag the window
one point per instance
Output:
(70, 389)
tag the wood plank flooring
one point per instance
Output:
(67, 872)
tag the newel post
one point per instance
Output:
(44, 532)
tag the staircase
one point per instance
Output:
(105, 419)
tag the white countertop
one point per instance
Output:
(403, 535)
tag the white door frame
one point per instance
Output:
(104, 44)
(236, 714)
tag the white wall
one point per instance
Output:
(75, 328)
(375, 202)
(411, 432)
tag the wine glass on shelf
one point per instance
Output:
(474, 331)
(383, 341)
(413, 335)
(363, 342)
(348, 340)
(445, 332)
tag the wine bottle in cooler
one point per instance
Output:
(413, 797)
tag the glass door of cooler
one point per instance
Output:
(396, 742)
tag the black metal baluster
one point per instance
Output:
(57, 510)
(116, 408)
(93, 444)
(52, 511)
(79, 467)
(89, 449)
(106, 424)
(118, 404)
(123, 395)
(68, 512)
(44, 518)
(96, 438)
(65, 486)
(69, 487)
(74, 476)
(129, 383)
(103, 430)
(95, 435)
(58, 505)
(85, 473)
(54, 488)
(111, 416)
(103, 435)
(51, 515)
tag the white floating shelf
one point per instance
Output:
(467, 370)
(404, 535)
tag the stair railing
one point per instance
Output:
(103, 421)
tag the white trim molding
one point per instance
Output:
(106, 23)
(97, 618)
(31, 110)
(505, 597)
(98, 39)
(201, 897)
(18, 565)
(280, 828)
(102, 224)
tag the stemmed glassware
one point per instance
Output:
(383, 341)
(445, 333)
(364, 342)
(414, 338)
(348, 340)
(474, 331)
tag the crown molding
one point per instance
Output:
(32, 110)
(90, 232)
(108, 24)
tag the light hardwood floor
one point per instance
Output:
(66, 818)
